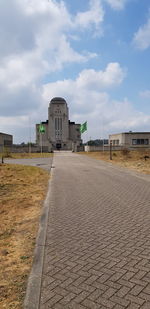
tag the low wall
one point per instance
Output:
(114, 148)
(23, 149)
(96, 148)
(27, 149)
(80, 148)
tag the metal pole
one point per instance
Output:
(29, 135)
(3, 154)
(110, 150)
(30, 147)
(41, 142)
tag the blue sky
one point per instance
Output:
(95, 54)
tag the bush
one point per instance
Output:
(125, 152)
(6, 153)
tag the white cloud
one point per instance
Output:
(21, 71)
(112, 76)
(142, 37)
(94, 16)
(136, 122)
(88, 100)
(117, 4)
(17, 124)
(87, 81)
(65, 54)
(35, 41)
(145, 94)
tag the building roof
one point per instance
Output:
(130, 132)
(73, 123)
(57, 100)
(2, 133)
(44, 122)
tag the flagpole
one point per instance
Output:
(83, 128)
(29, 135)
(103, 134)
(87, 137)
(41, 142)
(87, 140)
(41, 131)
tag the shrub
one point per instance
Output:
(125, 152)
(6, 153)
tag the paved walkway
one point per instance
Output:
(44, 163)
(97, 252)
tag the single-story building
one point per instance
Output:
(131, 139)
(6, 140)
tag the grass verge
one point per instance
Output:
(22, 191)
(24, 155)
(132, 159)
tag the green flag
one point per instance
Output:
(41, 128)
(83, 127)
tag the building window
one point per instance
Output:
(134, 142)
(55, 123)
(7, 143)
(114, 142)
(58, 127)
(60, 123)
(146, 141)
(140, 141)
(78, 130)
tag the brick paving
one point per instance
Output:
(97, 252)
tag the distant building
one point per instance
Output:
(59, 131)
(97, 142)
(6, 141)
(131, 139)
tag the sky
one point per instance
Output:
(93, 53)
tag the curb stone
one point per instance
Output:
(33, 290)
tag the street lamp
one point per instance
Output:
(110, 148)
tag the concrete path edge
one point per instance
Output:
(33, 290)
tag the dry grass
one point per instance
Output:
(26, 155)
(133, 160)
(22, 190)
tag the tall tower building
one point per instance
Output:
(60, 132)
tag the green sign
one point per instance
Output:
(83, 127)
(41, 128)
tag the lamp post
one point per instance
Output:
(103, 144)
(110, 148)
(41, 131)
(41, 142)
(29, 136)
